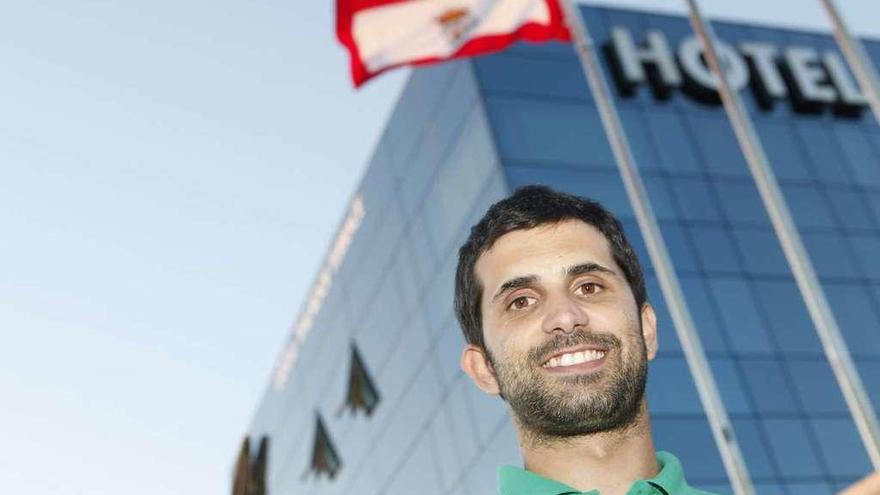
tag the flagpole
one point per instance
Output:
(695, 355)
(856, 57)
(801, 267)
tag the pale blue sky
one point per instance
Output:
(171, 174)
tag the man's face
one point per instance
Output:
(567, 347)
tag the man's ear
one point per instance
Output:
(476, 364)
(649, 329)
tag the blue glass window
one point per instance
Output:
(414, 111)
(823, 152)
(867, 249)
(695, 199)
(670, 389)
(419, 248)
(873, 201)
(814, 488)
(634, 125)
(461, 426)
(548, 131)
(841, 446)
(849, 209)
(447, 348)
(469, 166)
(718, 146)
(702, 311)
(754, 449)
(673, 144)
(551, 49)
(677, 245)
(860, 156)
(768, 385)
(661, 200)
(869, 371)
(742, 203)
(790, 444)
(808, 206)
(761, 251)
(829, 254)
(690, 439)
(543, 77)
(783, 150)
(714, 249)
(856, 315)
(746, 331)
(787, 313)
(730, 386)
(817, 387)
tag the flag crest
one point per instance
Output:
(384, 34)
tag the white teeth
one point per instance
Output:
(573, 358)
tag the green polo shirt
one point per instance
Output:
(669, 481)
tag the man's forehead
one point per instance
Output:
(555, 244)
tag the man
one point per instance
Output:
(551, 299)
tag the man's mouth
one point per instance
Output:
(575, 357)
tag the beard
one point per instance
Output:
(557, 407)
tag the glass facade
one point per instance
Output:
(464, 135)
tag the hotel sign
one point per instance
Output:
(810, 79)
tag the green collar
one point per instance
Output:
(518, 481)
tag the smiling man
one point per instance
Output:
(551, 299)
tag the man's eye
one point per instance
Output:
(521, 302)
(590, 288)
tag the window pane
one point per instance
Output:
(715, 249)
(829, 254)
(719, 148)
(783, 150)
(549, 131)
(789, 442)
(859, 154)
(742, 204)
(690, 439)
(789, 321)
(817, 387)
(808, 206)
(670, 387)
(745, 329)
(673, 143)
(856, 317)
(768, 386)
(842, 447)
(761, 251)
(695, 198)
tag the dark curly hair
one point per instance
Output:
(527, 208)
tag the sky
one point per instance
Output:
(171, 176)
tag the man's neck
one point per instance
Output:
(609, 462)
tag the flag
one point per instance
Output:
(383, 34)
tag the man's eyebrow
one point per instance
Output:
(583, 268)
(514, 283)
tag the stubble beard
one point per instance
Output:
(553, 408)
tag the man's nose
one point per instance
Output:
(563, 314)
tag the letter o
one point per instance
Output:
(689, 54)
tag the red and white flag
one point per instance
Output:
(383, 34)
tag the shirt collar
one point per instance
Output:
(517, 481)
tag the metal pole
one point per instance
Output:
(826, 326)
(722, 430)
(856, 57)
